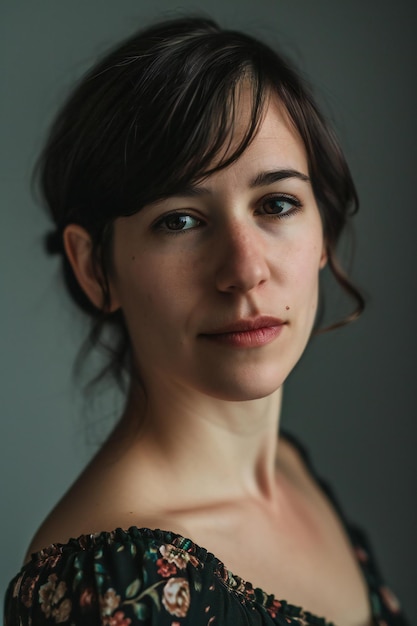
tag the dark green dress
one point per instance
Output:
(143, 577)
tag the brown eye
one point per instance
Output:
(177, 222)
(279, 205)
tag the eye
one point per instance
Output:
(177, 222)
(280, 205)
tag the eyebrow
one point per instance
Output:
(260, 180)
(267, 178)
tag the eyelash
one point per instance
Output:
(296, 205)
(160, 224)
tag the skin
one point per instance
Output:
(212, 405)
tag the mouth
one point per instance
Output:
(247, 333)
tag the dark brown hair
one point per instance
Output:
(154, 115)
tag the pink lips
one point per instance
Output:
(247, 333)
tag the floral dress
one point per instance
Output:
(143, 577)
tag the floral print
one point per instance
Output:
(127, 578)
(52, 599)
(27, 589)
(118, 619)
(87, 598)
(176, 596)
(109, 602)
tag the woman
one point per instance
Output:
(197, 194)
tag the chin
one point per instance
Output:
(243, 389)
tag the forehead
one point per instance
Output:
(276, 144)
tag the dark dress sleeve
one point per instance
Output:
(133, 578)
(108, 580)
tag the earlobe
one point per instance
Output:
(324, 257)
(79, 251)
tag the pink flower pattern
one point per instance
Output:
(165, 568)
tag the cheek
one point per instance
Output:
(133, 288)
(148, 291)
(303, 277)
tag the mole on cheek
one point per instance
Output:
(133, 258)
(287, 308)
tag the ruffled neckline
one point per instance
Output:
(246, 592)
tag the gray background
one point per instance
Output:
(352, 397)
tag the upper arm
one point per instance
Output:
(111, 583)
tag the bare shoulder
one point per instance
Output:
(85, 508)
(110, 493)
(70, 518)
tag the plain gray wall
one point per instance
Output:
(352, 397)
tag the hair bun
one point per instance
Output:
(54, 243)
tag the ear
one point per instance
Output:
(324, 256)
(79, 250)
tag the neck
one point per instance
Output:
(195, 440)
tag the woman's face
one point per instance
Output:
(195, 274)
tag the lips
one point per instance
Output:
(264, 321)
(247, 333)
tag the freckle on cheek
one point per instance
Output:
(133, 258)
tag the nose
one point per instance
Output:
(242, 262)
